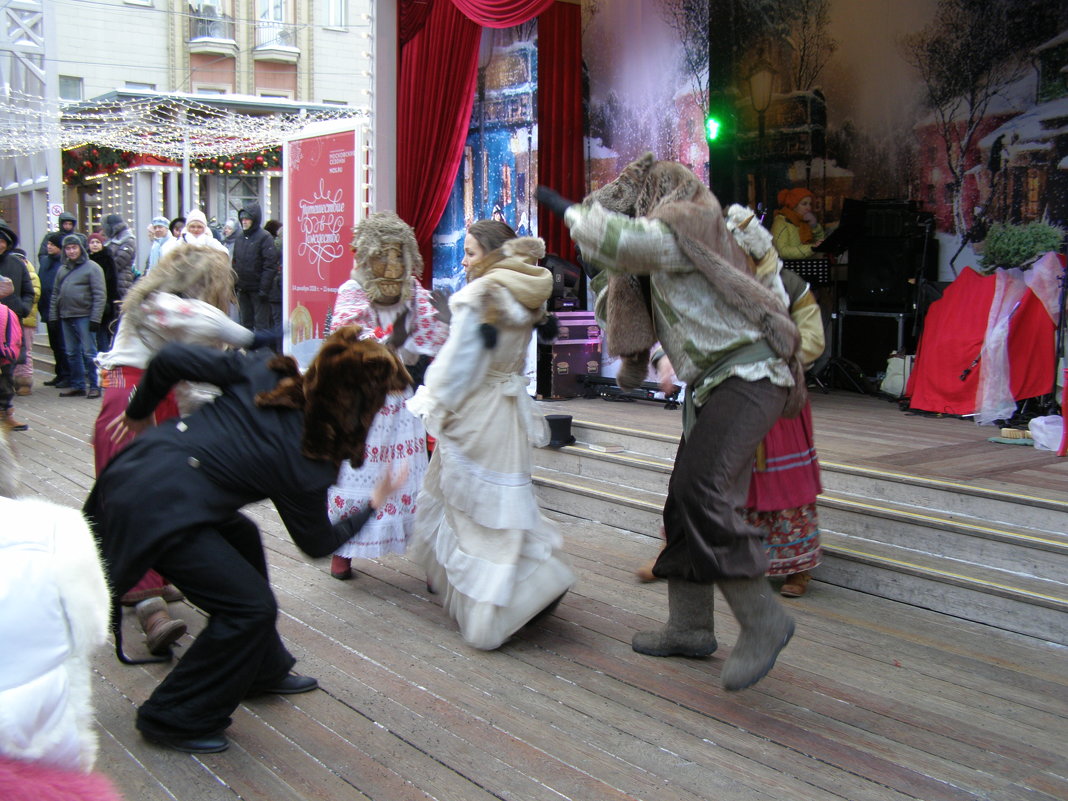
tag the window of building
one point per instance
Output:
(141, 87)
(70, 87)
(336, 13)
(272, 10)
(335, 102)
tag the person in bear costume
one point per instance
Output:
(676, 275)
(172, 499)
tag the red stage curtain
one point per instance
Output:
(502, 13)
(413, 14)
(560, 123)
(436, 92)
(435, 95)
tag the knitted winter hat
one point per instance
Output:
(161, 221)
(56, 239)
(95, 237)
(196, 215)
(74, 239)
(789, 198)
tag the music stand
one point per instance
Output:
(817, 272)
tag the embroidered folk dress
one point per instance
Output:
(487, 550)
(395, 436)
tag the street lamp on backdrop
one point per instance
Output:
(761, 78)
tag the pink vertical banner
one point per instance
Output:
(323, 186)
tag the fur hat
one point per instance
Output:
(74, 239)
(340, 394)
(789, 198)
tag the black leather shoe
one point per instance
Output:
(73, 393)
(207, 744)
(52, 382)
(292, 684)
(94, 392)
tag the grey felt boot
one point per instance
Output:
(766, 629)
(690, 627)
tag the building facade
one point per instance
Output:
(248, 57)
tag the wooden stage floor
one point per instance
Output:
(872, 700)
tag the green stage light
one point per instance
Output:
(713, 127)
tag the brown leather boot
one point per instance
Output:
(160, 628)
(23, 385)
(10, 423)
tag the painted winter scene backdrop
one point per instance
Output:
(957, 108)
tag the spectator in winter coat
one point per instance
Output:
(160, 232)
(177, 226)
(122, 246)
(17, 293)
(47, 273)
(78, 301)
(99, 254)
(256, 262)
(24, 371)
(67, 223)
(274, 291)
(196, 232)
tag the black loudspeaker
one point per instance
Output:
(895, 248)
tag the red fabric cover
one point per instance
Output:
(436, 93)
(36, 781)
(791, 478)
(502, 13)
(953, 335)
(560, 133)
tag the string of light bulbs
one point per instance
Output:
(167, 127)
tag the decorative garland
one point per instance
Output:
(84, 163)
(241, 164)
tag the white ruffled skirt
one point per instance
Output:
(480, 536)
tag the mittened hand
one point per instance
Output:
(553, 200)
(488, 333)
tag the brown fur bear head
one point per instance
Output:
(340, 394)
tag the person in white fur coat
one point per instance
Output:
(54, 610)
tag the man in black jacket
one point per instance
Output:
(257, 262)
(171, 501)
(67, 224)
(16, 292)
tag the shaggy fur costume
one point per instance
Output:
(671, 193)
(335, 387)
(371, 236)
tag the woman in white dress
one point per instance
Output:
(484, 544)
(385, 298)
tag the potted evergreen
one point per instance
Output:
(1008, 245)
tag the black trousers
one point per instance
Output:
(708, 539)
(254, 311)
(59, 352)
(222, 570)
